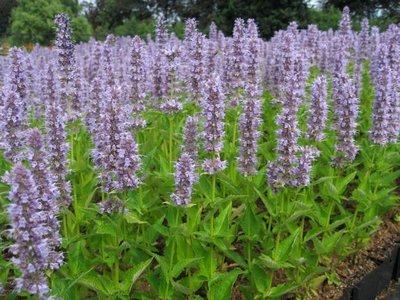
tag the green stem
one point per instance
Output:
(212, 222)
(171, 135)
(328, 219)
(250, 238)
(76, 208)
(140, 199)
(116, 264)
(65, 228)
(302, 230)
(281, 222)
(171, 262)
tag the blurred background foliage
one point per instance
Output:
(25, 22)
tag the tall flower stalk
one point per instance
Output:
(56, 138)
(29, 231)
(213, 134)
(37, 156)
(66, 59)
(318, 113)
(250, 119)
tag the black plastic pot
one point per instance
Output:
(377, 280)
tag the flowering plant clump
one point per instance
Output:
(212, 167)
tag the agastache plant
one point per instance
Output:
(191, 137)
(383, 117)
(364, 39)
(127, 163)
(250, 119)
(137, 79)
(12, 123)
(318, 113)
(304, 167)
(386, 111)
(346, 112)
(66, 59)
(196, 66)
(237, 62)
(37, 157)
(282, 171)
(56, 138)
(116, 152)
(213, 134)
(17, 76)
(29, 231)
(185, 177)
(112, 205)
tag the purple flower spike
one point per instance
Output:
(57, 139)
(282, 172)
(185, 178)
(12, 123)
(309, 154)
(249, 122)
(318, 113)
(28, 229)
(116, 152)
(37, 157)
(112, 205)
(214, 165)
(18, 80)
(191, 137)
(137, 73)
(127, 164)
(171, 106)
(65, 50)
(346, 112)
(214, 114)
(385, 116)
(236, 62)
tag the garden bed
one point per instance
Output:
(369, 274)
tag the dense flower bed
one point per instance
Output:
(208, 167)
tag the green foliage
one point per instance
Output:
(369, 9)
(33, 22)
(133, 27)
(81, 29)
(270, 15)
(6, 7)
(325, 19)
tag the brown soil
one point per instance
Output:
(349, 273)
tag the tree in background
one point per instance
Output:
(326, 18)
(373, 9)
(269, 15)
(6, 7)
(107, 15)
(33, 22)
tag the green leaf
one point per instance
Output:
(260, 278)
(220, 287)
(272, 264)
(284, 248)
(222, 221)
(132, 218)
(133, 274)
(94, 283)
(282, 289)
(77, 279)
(342, 184)
(250, 223)
(182, 264)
